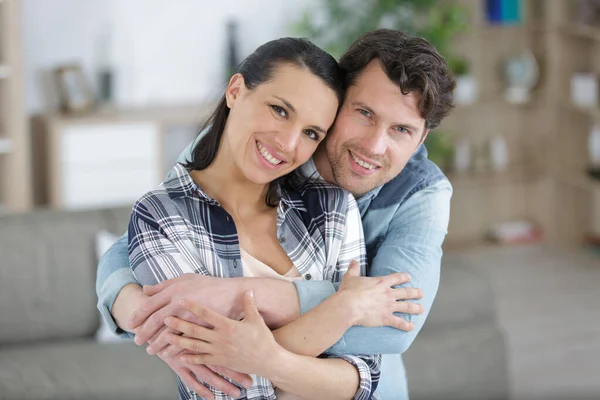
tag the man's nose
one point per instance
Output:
(375, 141)
(287, 140)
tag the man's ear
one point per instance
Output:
(424, 137)
(234, 89)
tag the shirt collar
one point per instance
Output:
(181, 184)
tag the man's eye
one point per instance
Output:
(402, 129)
(279, 110)
(364, 112)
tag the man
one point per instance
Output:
(398, 89)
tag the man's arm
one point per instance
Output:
(112, 278)
(413, 244)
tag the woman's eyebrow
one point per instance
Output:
(287, 103)
(292, 109)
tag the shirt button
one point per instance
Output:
(234, 263)
(228, 218)
(307, 277)
(281, 239)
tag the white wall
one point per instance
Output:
(163, 51)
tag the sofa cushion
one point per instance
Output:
(465, 295)
(47, 275)
(83, 369)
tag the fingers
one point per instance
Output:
(400, 323)
(397, 278)
(203, 313)
(150, 306)
(152, 325)
(243, 380)
(408, 293)
(250, 311)
(209, 377)
(192, 330)
(408, 307)
(193, 345)
(197, 359)
(353, 268)
(159, 341)
(190, 381)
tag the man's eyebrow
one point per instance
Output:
(364, 106)
(287, 103)
(408, 126)
(292, 109)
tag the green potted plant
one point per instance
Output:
(466, 91)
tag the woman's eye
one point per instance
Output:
(312, 134)
(364, 112)
(279, 110)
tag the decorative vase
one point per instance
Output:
(498, 151)
(466, 90)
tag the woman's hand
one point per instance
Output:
(375, 301)
(238, 345)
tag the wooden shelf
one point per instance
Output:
(592, 112)
(582, 31)
(577, 181)
(484, 179)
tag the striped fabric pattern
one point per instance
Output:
(177, 228)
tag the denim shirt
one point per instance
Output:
(405, 222)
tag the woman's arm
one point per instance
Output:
(249, 346)
(359, 301)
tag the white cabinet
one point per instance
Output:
(108, 160)
(108, 164)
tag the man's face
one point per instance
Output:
(376, 132)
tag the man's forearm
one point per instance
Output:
(128, 300)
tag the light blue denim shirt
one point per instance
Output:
(405, 222)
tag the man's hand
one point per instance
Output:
(239, 345)
(220, 295)
(191, 373)
(375, 300)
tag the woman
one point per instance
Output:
(235, 210)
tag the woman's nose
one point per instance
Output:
(288, 139)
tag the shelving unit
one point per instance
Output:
(15, 159)
(547, 180)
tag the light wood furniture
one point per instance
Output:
(15, 161)
(546, 181)
(108, 158)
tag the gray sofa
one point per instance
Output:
(48, 318)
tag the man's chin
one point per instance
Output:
(357, 186)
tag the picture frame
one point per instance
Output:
(74, 92)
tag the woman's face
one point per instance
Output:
(274, 128)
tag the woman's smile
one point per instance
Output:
(268, 156)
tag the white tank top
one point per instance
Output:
(257, 269)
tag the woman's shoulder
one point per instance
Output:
(166, 198)
(320, 195)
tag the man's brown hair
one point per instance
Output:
(410, 62)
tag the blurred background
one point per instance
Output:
(99, 97)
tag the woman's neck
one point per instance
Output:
(223, 181)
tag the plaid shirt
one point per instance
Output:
(177, 228)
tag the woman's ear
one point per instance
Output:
(234, 89)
